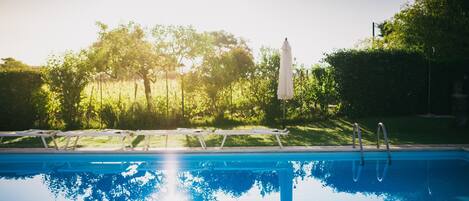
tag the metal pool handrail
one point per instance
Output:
(382, 128)
(357, 132)
(356, 172)
(385, 170)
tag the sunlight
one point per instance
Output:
(170, 189)
(309, 26)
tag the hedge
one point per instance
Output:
(444, 76)
(17, 90)
(380, 82)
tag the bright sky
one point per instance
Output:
(32, 30)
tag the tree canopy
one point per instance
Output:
(438, 28)
(126, 53)
(12, 63)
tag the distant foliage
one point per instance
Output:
(131, 78)
(11, 63)
(21, 102)
(437, 28)
(380, 82)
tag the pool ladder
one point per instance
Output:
(382, 128)
(358, 133)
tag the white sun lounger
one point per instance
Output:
(199, 133)
(32, 133)
(276, 132)
(122, 134)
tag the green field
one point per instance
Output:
(402, 130)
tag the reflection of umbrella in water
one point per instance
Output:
(285, 77)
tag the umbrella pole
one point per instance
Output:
(283, 121)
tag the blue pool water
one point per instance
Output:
(254, 176)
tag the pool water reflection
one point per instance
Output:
(280, 176)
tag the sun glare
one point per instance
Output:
(170, 190)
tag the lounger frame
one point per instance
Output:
(277, 133)
(43, 134)
(199, 133)
(122, 134)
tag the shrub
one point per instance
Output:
(138, 116)
(263, 81)
(19, 90)
(108, 115)
(315, 90)
(67, 77)
(47, 108)
(380, 82)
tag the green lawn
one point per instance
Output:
(402, 130)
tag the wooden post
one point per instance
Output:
(167, 97)
(182, 94)
(101, 98)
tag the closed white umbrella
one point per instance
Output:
(285, 82)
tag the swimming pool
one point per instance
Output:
(245, 176)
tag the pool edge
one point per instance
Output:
(289, 149)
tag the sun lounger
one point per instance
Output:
(199, 133)
(276, 132)
(32, 133)
(122, 134)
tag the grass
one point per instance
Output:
(401, 130)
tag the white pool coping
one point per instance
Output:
(258, 149)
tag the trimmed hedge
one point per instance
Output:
(380, 82)
(17, 90)
(444, 76)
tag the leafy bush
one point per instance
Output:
(19, 95)
(315, 90)
(263, 83)
(138, 116)
(67, 77)
(380, 82)
(47, 109)
(108, 115)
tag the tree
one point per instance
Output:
(427, 25)
(227, 60)
(180, 44)
(67, 76)
(124, 52)
(12, 63)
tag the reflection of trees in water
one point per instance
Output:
(405, 180)
(14, 176)
(203, 185)
(137, 185)
(339, 175)
(142, 185)
(268, 182)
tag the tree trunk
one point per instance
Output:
(231, 100)
(146, 84)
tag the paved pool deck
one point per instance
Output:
(261, 149)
